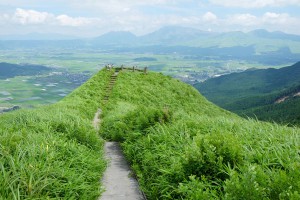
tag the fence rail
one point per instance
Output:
(133, 68)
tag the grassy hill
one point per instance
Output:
(256, 92)
(180, 145)
(183, 147)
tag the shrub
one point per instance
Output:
(208, 154)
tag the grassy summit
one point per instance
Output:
(180, 145)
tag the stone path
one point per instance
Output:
(117, 180)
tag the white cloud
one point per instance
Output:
(121, 6)
(32, 17)
(95, 17)
(277, 18)
(209, 17)
(270, 20)
(26, 17)
(255, 3)
(66, 20)
(243, 20)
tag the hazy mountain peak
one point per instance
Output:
(116, 38)
(173, 34)
(274, 35)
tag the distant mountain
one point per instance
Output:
(171, 35)
(274, 35)
(38, 36)
(8, 70)
(269, 94)
(261, 46)
(116, 38)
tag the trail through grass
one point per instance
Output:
(54, 152)
(183, 147)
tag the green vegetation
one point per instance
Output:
(183, 147)
(53, 152)
(180, 145)
(257, 93)
(11, 70)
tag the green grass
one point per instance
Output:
(53, 152)
(183, 147)
(180, 145)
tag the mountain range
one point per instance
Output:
(261, 46)
(268, 94)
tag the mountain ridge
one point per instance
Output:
(252, 91)
(163, 30)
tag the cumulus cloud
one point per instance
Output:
(121, 6)
(243, 19)
(26, 17)
(209, 17)
(255, 3)
(277, 18)
(66, 20)
(32, 17)
(269, 20)
(97, 17)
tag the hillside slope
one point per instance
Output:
(180, 145)
(270, 94)
(183, 147)
(53, 152)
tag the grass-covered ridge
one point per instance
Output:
(256, 93)
(53, 152)
(183, 147)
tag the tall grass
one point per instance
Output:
(183, 147)
(53, 152)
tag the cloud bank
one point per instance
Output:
(93, 17)
(255, 3)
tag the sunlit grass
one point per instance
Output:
(183, 147)
(53, 152)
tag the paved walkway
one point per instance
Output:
(117, 182)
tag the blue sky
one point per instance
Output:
(91, 18)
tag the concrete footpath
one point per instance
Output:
(117, 180)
